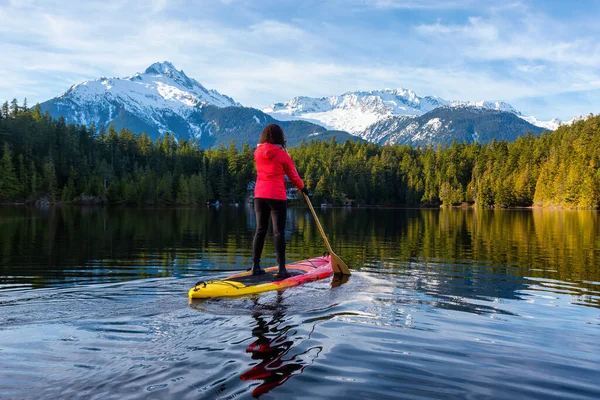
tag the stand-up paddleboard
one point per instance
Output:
(246, 283)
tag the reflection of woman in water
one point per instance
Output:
(273, 348)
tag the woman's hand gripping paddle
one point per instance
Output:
(338, 266)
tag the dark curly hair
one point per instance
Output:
(272, 134)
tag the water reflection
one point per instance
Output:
(481, 254)
(443, 304)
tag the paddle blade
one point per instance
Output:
(339, 280)
(338, 266)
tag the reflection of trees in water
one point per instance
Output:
(274, 349)
(44, 243)
(479, 246)
(534, 242)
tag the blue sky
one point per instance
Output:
(541, 56)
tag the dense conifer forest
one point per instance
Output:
(43, 158)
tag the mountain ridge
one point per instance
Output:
(163, 99)
(356, 111)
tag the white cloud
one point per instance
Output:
(158, 5)
(419, 4)
(526, 39)
(475, 29)
(533, 55)
(531, 68)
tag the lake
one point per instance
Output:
(441, 304)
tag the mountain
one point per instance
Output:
(164, 99)
(244, 124)
(159, 100)
(366, 114)
(354, 111)
(445, 124)
(551, 125)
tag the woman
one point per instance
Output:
(272, 163)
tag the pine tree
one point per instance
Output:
(69, 190)
(198, 189)
(183, 191)
(5, 109)
(558, 168)
(50, 184)
(23, 177)
(165, 189)
(34, 184)
(37, 112)
(130, 192)
(222, 186)
(14, 108)
(9, 184)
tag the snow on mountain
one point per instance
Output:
(367, 114)
(549, 125)
(354, 111)
(378, 131)
(164, 99)
(502, 106)
(488, 105)
(465, 124)
(155, 97)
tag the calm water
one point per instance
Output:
(442, 304)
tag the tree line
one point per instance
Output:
(44, 158)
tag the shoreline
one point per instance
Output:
(59, 204)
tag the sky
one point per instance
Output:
(542, 56)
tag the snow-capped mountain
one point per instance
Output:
(443, 125)
(502, 106)
(487, 105)
(159, 98)
(549, 125)
(354, 111)
(364, 113)
(164, 99)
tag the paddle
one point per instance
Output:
(338, 266)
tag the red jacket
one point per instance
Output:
(272, 163)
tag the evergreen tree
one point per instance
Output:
(34, 184)
(165, 189)
(559, 168)
(50, 183)
(183, 191)
(5, 110)
(24, 177)
(14, 108)
(37, 112)
(69, 191)
(198, 192)
(9, 184)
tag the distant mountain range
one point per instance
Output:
(445, 124)
(358, 112)
(164, 99)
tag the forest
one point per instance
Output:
(43, 159)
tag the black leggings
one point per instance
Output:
(278, 211)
